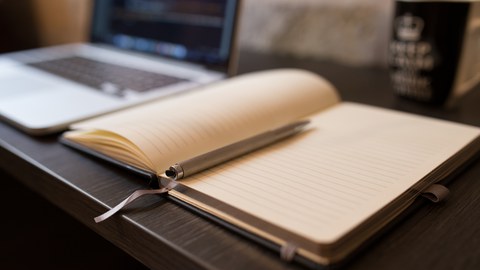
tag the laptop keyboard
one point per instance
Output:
(109, 78)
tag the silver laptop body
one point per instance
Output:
(141, 50)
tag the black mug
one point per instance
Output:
(434, 51)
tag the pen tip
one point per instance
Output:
(171, 173)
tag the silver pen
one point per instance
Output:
(202, 162)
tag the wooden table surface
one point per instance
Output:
(161, 234)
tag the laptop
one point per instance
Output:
(139, 50)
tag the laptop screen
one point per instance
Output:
(200, 31)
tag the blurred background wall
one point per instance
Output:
(37, 23)
(16, 26)
(61, 21)
(353, 32)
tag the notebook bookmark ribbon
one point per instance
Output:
(135, 195)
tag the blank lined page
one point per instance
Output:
(173, 130)
(353, 161)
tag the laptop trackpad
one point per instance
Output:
(15, 84)
(40, 101)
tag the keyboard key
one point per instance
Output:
(108, 78)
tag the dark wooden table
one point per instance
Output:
(161, 234)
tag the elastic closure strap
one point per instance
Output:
(436, 193)
(287, 251)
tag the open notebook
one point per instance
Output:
(319, 194)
